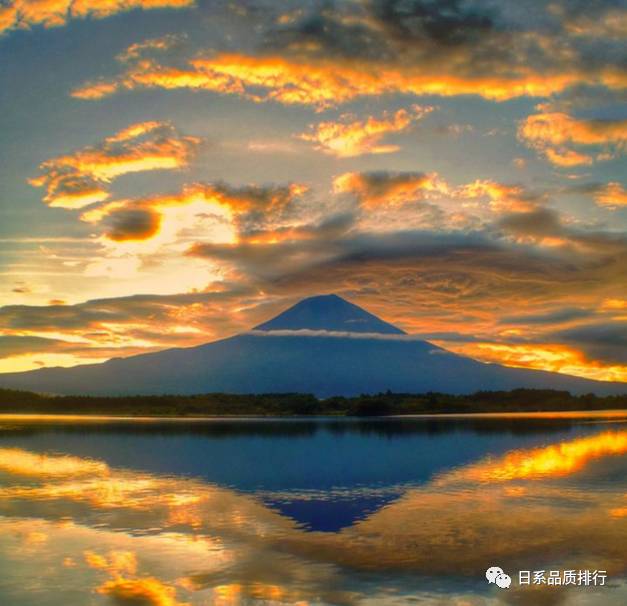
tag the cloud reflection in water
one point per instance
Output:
(143, 538)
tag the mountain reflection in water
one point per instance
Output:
(309, 512)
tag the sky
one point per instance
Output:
(177, 171)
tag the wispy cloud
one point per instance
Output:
(613, 195)
(334, 334)
(567, 141)
(501, 197)
(96, 330)
(348, 137)
(82, 177)
(146, 218)
(324, 84)
(327, 57)
(389, 188)
(25, 14)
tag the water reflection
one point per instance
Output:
(560, 459)
(78, 529)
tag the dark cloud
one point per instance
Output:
(150, 309)
(132, 224)
(601, 341)
(540, 222)
(425, 282)
(554, 317)
(15, 345)
(415, 269)
(479, 37)
(382, 188)
(441, 22)
(267, 255)
(381, 29)
(479, 265)
(323, 30)
(328, 244)
(251, 208)
(543, 223)
(326, 54)
(330, 228)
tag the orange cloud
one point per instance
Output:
(95, 90)
(24, 14)
(146, 218)
(134, 131)
(99, 9)
(100, 329)
(552, 357)
(283, 234)
(502, 197)
(347, 138)
(612, 196)
(69, 190)
(558, 128)
(147, 73)
(81, 178)
(567, 157)
(378, 188)
(614, 304)
(553, 134)
(136, 50)
(327, 82)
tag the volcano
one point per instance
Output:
(323, 345)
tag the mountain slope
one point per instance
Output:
(282, 360)
(331, 313)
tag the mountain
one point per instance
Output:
(323, 345)
(330, 313)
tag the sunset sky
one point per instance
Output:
(176, 171)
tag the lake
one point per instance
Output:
(314, 511)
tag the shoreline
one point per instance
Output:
(561, 414)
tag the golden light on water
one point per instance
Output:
(20, 462)
(147, 590)
(144, 538)
(561, 459)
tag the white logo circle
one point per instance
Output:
(492, 572)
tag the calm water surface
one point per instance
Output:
(320, 511)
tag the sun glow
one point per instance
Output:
(552, 357)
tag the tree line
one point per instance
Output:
(298, 404)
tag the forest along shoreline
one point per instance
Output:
(297, 404)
